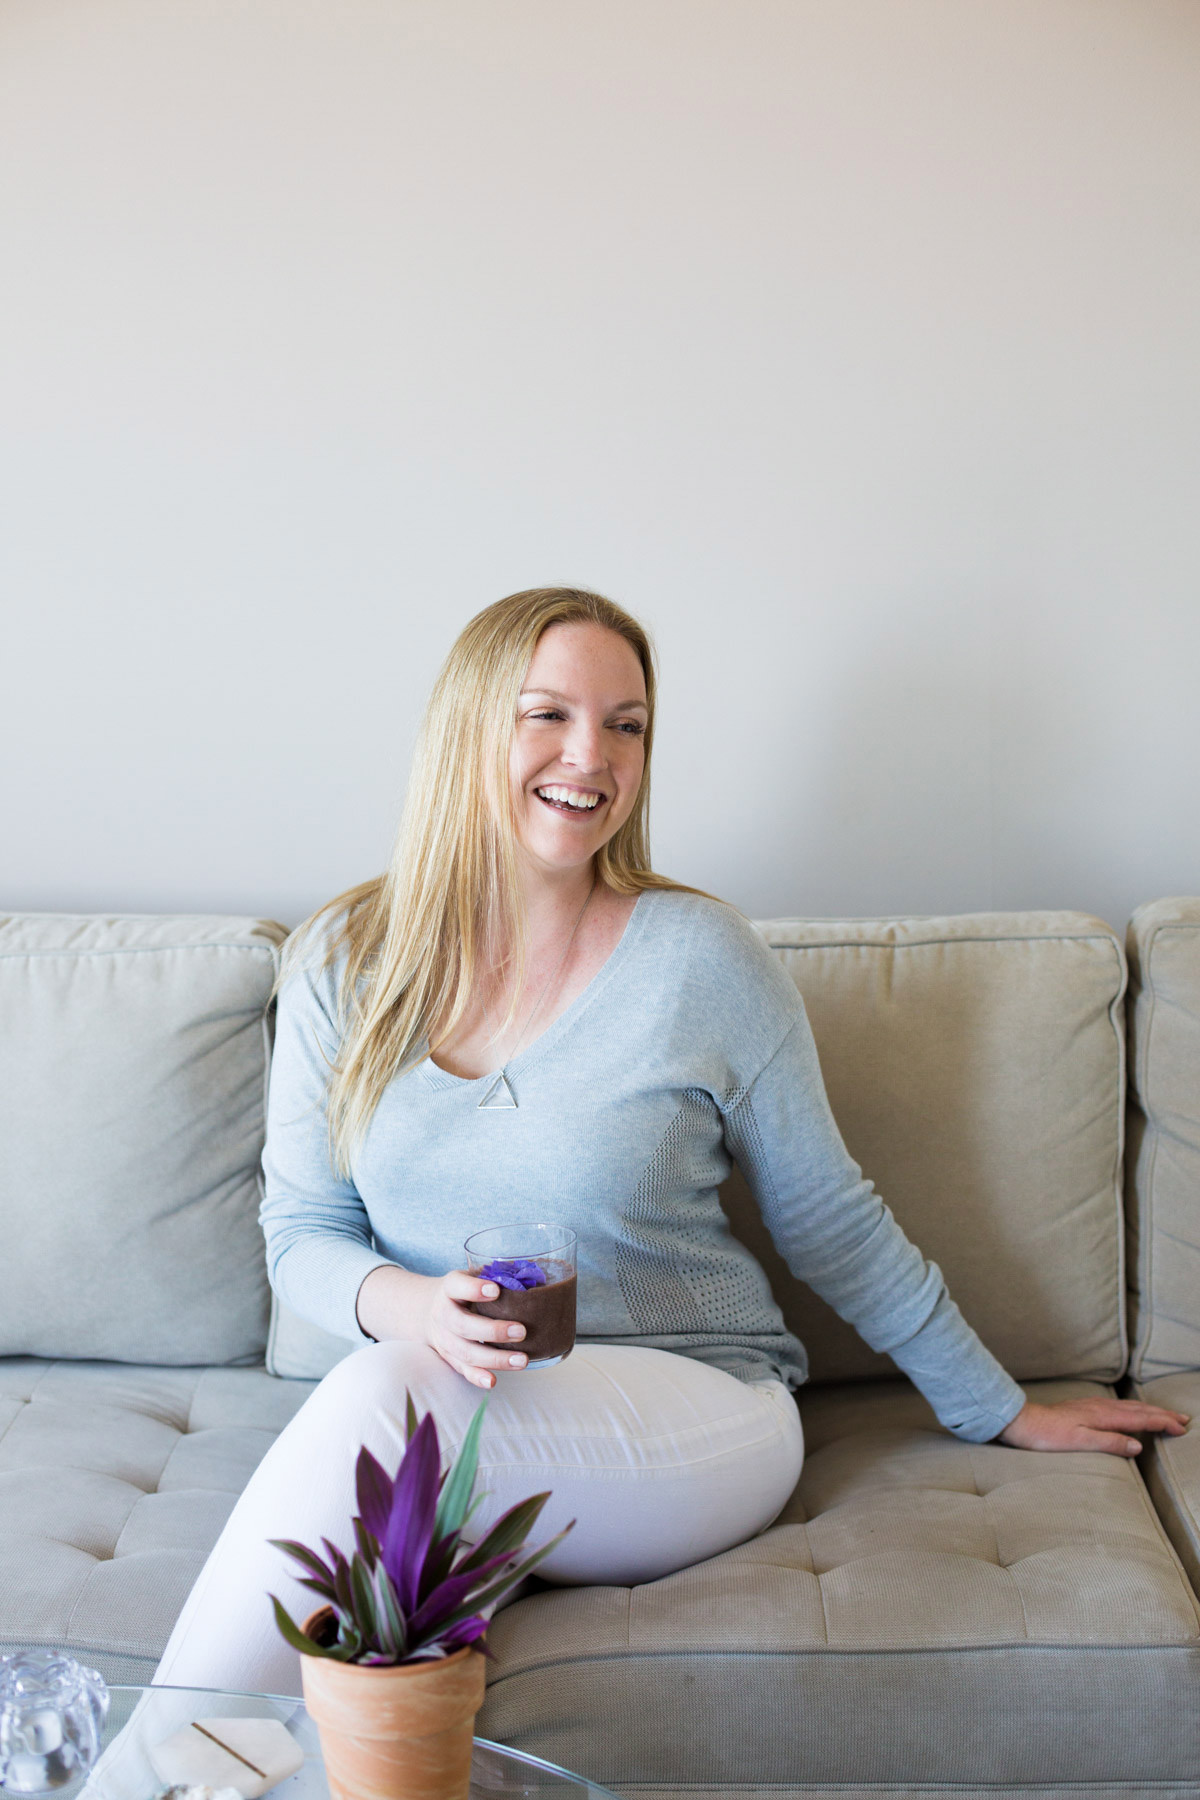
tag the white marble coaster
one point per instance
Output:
(250, 1755)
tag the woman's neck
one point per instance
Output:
(553, 902)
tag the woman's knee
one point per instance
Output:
(367, 1394)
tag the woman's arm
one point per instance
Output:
(320, 1254)
(318, 1235)
(431, 1309)
(837, 1235)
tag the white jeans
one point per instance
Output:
(661, 1461)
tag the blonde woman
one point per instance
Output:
(641, 1036)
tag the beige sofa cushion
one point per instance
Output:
(924, 1611)
(1171, 1465)
(133, 1066)
(115, 1482)
(1162, 1186)
(976, 1068)
(300, 1350)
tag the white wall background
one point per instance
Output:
(854, 344)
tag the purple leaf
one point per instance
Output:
(405, 1540)
(450, 1595)
(467, 1631)
(374, 1488)
(438, 1564)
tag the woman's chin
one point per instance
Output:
(551, 857)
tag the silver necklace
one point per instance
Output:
(499, 1096)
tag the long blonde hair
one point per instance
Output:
(416, 937)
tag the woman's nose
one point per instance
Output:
(583, 746)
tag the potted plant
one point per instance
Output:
(393, 1660)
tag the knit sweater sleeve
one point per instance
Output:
(837, 1235)
(318, 1234)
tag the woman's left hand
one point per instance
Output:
(1092, 1424)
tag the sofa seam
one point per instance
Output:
(1056, 937)
(1139, 1089)
(269, 950)
(1120, 1029)
(1006, 1646)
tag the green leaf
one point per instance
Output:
(410, 1415)
(318, 1587)
(508, 1533)
(456, 1495)
(496, 1589)
(308, 1559)
(391, 1618)
(298, 1639)
(476, 1502)
(341, 1578)
(368, 1545)
(364, 1600)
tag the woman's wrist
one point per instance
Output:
(394, 1303)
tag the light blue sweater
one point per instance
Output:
(691, 1047)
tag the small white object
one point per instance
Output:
(249, 1755)
(42, 1732)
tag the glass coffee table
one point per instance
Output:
(125, 1774)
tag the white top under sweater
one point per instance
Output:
(688, 1050)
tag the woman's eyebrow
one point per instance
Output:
(553, 694)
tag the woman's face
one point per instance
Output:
(577, 753)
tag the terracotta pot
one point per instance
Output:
(394, 1733)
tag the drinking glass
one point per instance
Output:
(534, 1267)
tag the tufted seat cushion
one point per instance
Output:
(115, 1482)
(1172, 1465)
(925, 1610)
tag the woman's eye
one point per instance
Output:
(631, 728)
(549, 714)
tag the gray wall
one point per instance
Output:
(851, 343)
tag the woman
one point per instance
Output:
(638, 1035)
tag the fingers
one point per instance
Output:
(1137, 1415)
(461, 1286)
(465, 1290)
(469, 1341)
(482, 1378)
(1114, 1442)
(482, 1330)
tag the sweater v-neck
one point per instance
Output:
(566, 1020)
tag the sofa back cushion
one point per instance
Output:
(1162, 1164)
(133, 1065)
(975, 1065)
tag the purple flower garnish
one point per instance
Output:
(516, 1273)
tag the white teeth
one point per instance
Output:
(571, 797)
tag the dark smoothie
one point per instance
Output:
(547, 1311)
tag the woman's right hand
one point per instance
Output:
(432, 1309)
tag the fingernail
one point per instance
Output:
(517, 1331)
(490, 1290)
(516, 1362)
(1133, 1446)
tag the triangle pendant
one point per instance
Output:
(499, 1097)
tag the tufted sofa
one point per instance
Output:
(927, 1617)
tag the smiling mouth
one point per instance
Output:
(576, 803)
